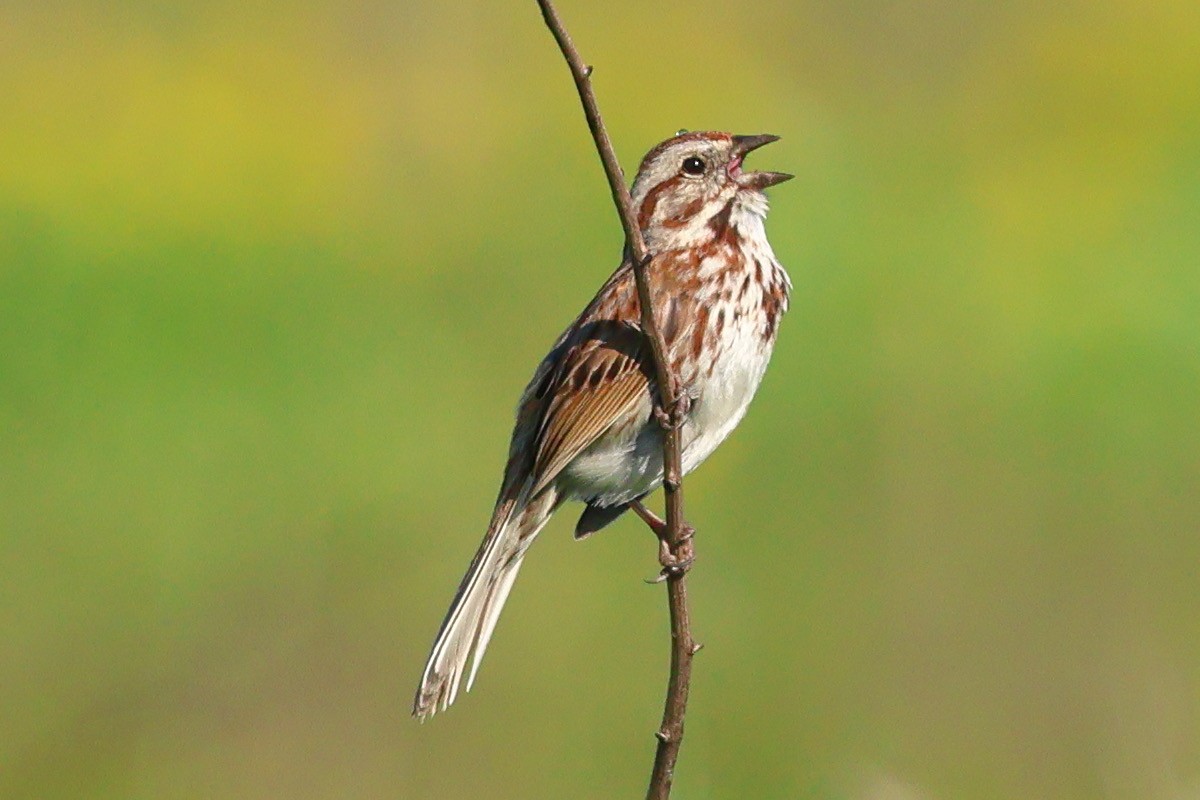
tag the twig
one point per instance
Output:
(677, 535)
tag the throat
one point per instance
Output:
(740, 220)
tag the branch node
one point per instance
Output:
(662, 736)
(587, 71)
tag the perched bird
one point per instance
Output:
(586, 428)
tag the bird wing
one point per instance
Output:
(600, 376)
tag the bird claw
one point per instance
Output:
(676, 565)
(673, 417)
(672, 565)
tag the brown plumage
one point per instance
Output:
(585, 428)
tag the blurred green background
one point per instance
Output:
(272, 276)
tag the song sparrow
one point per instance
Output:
(586, 428)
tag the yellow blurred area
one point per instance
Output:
(273, 275)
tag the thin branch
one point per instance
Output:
(677, 535)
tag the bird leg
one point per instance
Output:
(656, 523)
(671, 564)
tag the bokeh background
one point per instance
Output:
(272, 276)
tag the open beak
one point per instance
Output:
(754, 180)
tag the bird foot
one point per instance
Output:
(676, 564)
(674, 416)
(672, 564)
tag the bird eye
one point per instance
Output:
(693, 166)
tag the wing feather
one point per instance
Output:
(600, 380)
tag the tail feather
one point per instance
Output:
(491, 613)
(472, 617)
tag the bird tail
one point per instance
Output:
(469, 623)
